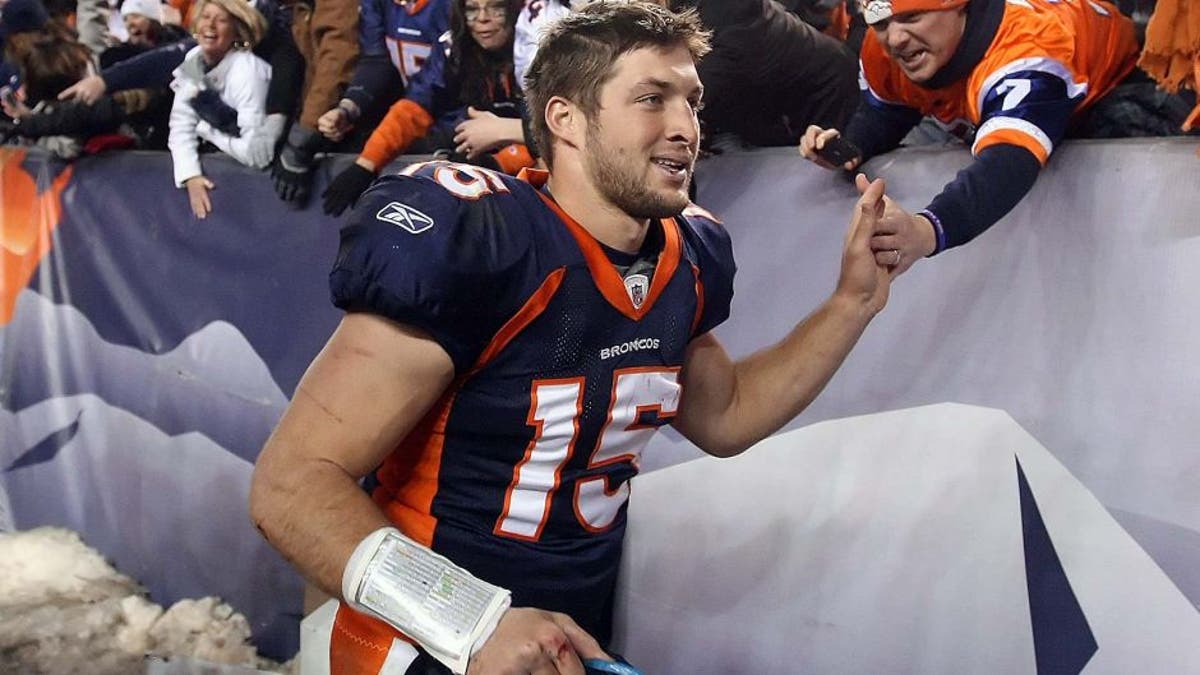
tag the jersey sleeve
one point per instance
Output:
(1027, 103)
(416, 254)
(712, 252)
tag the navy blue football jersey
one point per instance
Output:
(520, 473)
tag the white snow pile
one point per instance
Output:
(64, 609)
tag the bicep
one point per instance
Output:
(708, 380)
(367, 389)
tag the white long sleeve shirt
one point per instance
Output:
(241, 80)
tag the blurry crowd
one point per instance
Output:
(276, 84)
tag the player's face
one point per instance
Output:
(921, 42)
(488, 23)
(642, 141)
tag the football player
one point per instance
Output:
(509, 347)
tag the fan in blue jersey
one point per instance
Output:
(509, 347)
(395, 38)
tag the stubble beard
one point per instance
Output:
(617, 183)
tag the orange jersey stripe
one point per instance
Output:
(611, 286)
(533, 307)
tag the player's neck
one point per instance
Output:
(605, 221)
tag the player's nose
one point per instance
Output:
(681, 123)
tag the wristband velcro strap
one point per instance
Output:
(440, 605)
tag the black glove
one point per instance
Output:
(346, 188)
(292, 170)
(219, 114)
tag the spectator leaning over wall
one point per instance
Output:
(395, 39)
(222, 67)
(475, 72)
(156, 68)
(1011, 78)
(326, 33)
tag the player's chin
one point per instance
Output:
(668, 203)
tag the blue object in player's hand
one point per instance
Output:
(600, 667)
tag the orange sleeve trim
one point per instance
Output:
(404, 123)
(1013, 137)
(359, 643)
(513, 158)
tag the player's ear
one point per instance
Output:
(565, 120)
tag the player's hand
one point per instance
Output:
(903, 238)
(814, 139)
(197, 189)
(335, 124)
(866, 280)
(482, 132)
(88, 90)
(534, 641)
(346, 188)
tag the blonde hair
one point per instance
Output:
(249, 26)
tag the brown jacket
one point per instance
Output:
(327, 35)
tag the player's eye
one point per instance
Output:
(652, 99)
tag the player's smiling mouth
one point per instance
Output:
(672, 166)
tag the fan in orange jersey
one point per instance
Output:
(1012, 79)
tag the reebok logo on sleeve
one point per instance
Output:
(405, 217)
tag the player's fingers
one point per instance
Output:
(584, 644)
(868, 211)
(567, 662)
(871, 191)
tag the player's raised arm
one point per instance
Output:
(728, 406)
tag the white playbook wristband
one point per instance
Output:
(440, 605)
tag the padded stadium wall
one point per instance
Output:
(145, 355)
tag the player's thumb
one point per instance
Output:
(472, 113)
(585, 645)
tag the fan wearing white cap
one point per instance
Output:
(143, 21)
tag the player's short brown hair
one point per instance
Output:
(575, 56)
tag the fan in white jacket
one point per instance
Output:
(221, 63)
